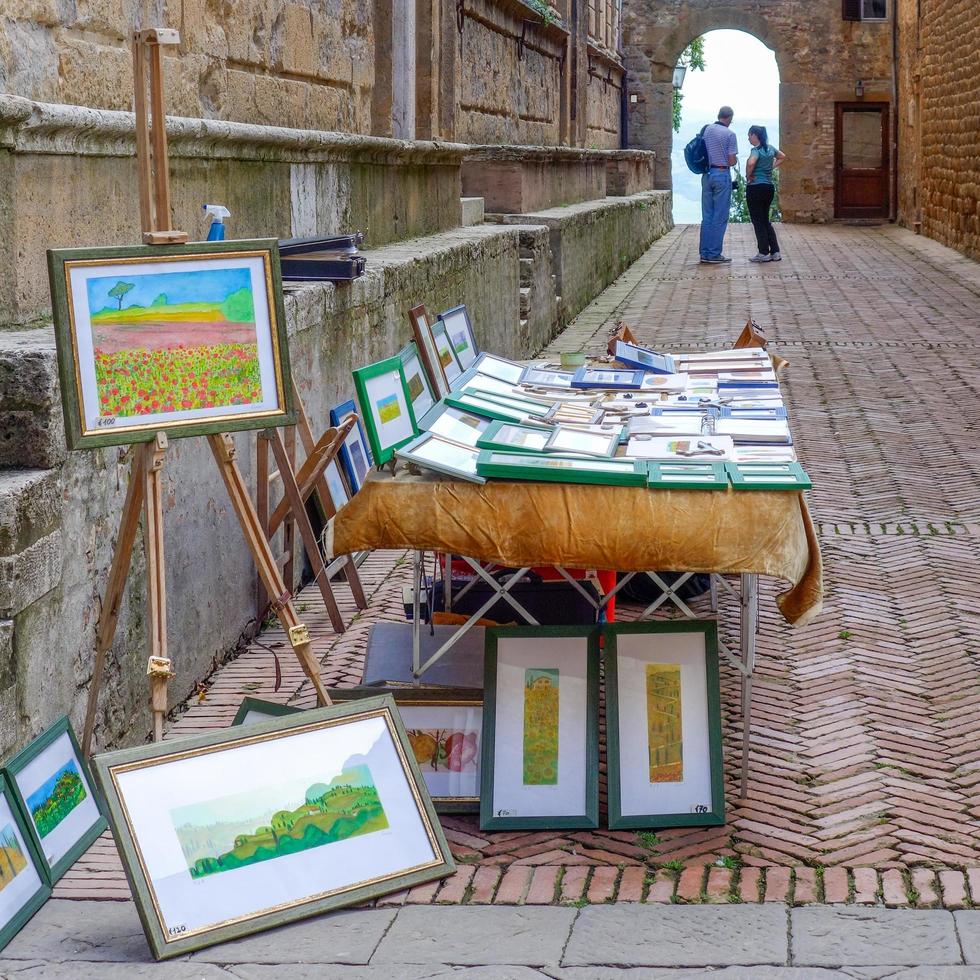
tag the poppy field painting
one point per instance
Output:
(185, 342)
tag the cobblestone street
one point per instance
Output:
(864, 787)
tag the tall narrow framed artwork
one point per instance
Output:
(425, 342)
(663, 725)
(386, 407)
(419, 386)
(51, 783)
(232, 832)
(540, 728)
(23, 885)
(355, 457)
(182, 339)
(461, 335)
(446, 353)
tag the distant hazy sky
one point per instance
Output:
(741, 72)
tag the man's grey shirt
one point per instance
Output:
(721, 142)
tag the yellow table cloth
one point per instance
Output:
(593, 527)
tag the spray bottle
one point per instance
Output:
(218, 213)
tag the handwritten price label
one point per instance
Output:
(700, 808)
(107, 420)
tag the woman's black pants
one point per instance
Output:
(759, 198)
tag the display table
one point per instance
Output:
(520, 525)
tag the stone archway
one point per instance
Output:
(820, 59)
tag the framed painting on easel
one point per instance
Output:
(181, 339)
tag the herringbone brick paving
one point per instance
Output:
(865, 766)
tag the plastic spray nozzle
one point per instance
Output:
(218, 212)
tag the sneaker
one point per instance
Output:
(761, 258)
(775, 257)
(717, 261)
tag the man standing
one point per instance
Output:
(716, 185)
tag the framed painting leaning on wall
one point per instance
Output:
(663, 725)
(540, 728)
(232, 832)
(182, 339)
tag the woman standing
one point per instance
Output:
(760, 190)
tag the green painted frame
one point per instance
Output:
(20, 760)
(532, 466)
(480, 404)
(796, 477)
(59, 262)
(361, 377)
(487, 440)
(664, 474)
(271, 709)
(586, 821)
(715, 817)
(27, 910)
(164, 947)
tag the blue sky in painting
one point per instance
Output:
(44, 790)
(205, 286)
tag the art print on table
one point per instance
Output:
(52, 783)
(386, 407)
(499, 367)
(447, 355)
(663, 725)
(432, 452)
(459, 426)
(181, 339)
(540, 728)
(461, 335)
(419, 387)
(231, 832)
(23, 888)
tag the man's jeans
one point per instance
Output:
(716, 198)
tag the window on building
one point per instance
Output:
(604, 23)
(865, 9)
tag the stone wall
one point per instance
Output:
(603, 101)
(939, 117)
(820, 58)
(307, 63)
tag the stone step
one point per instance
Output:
(527, 271)
(31, 424)
(471, 211)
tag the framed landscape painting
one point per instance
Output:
(51, 782)
(182, 339)
(663, 725)
(232, 832)
(386, 407)
(460, 331)
(23, 886)
(540, 728)
(419, 386)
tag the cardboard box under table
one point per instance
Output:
(632, 529)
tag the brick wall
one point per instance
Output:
(939, 144)
(306, 64)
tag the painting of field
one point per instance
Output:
(541, 726)
(12, 859)
(174, 341)
(246, 828)
(664, 733)
(56, 797)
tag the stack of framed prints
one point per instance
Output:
(540, 728)
(49, 816)
(456, 323)
(386, 407)
(663, 725)
(232, 832)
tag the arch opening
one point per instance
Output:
(740, 71)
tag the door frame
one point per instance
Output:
(883, 108)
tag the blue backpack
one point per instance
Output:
(696, 154)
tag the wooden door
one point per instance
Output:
(861, 160)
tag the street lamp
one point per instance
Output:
(680, 70)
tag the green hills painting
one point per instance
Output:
(55, 798)
(246, 828)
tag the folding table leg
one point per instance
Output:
(416, 617)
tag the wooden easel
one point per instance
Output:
(298, 486)
(752, 335)
(144, 492)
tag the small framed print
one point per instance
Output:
(686, 475)
(355, 457)
(255, 709)
(23, 883)
(419, 386)
(461, 335)
(447, 356)
(386, 407)
(542, 378)
(540, 728)
(483, 405)
(181, 339)
(51, 783)
(455, 424)
(663, 725)
(517, 400)
(768, 476)
(561, 469)
(566, 439)
(514, 438)
(231, 832)
(442, 456)
(473, 380)
(499, 367)
(646, 360)
(610, 380)
(428, 354)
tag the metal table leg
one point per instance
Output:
(749, 609)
